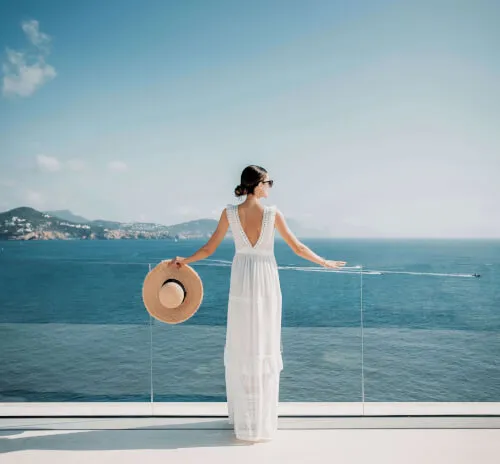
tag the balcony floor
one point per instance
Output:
(402, 440)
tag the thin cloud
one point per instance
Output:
(48, 163)
(37, 38)
(117, 166)
(26, 71)
(76, 165)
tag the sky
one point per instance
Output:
(373, 118)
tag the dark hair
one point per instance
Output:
(250, 178)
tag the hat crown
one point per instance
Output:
(171, 295)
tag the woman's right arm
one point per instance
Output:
(298, 247)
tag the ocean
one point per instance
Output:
(411, 323)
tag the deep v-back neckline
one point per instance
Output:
(249, 243)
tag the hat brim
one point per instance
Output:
(190, 281)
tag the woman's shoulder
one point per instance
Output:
(272, 208)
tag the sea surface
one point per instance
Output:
(406, 320)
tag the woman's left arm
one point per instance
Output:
(209, 248)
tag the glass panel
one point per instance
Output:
(188, 358)
(321, 326)
(321, 334)
(72, 323)
(431, 329)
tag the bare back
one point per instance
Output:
(251, 219)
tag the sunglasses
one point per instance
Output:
(270, 182)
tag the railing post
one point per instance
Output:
(151, 357)
(362, 343)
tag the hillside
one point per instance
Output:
(199, 228)
(67, 215)
(26, 223)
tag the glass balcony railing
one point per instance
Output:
(72, 330)
(73, 327)
(430, 337)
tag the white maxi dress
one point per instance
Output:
(253, 350)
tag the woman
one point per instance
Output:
(253, 354)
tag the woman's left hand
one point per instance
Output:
(178, 261)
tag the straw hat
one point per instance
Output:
(172, 294)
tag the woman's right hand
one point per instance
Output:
(178, 262)
(333, 264)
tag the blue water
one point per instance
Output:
(410, 325)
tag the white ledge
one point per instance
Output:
(219, 409)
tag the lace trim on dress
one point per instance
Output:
(265, 220)
(232, 220)
(272, 214)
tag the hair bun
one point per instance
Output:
(239, 191)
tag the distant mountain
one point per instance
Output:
(25, 212)
(26, 223)
(107, 224)
(201, 228)
(67, 215)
